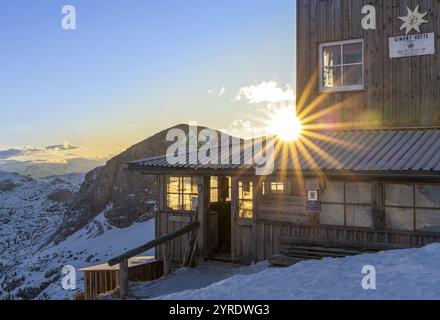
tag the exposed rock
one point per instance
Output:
(14, 284)
(129, 195)
(62, 196)
(7, 185)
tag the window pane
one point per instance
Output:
(245, 202)
(331, 55)
(173, 202)
(353, 75)
(352, 53)
(246, 214)
(214, 182)
(229, 189)
(173, 185)
(400, 219)
(331, 77)
(214, 195)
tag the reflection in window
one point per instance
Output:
(277, 187)
(245, 199)
(181, 193)
(214, 189)
(342, 66)
(229, 182)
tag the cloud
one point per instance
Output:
(217, 92)
(62, 147)
(265, 92)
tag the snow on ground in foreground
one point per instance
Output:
(401, 274)
(190, 279)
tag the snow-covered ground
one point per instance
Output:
(29, 214)
(401, 275)
(191, 279)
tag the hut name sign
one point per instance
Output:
(407, 45)
(412, 45)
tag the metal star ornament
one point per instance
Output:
(413, 20)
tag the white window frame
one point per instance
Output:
(341, 88)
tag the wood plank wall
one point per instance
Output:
(401, 92)
(166, 225)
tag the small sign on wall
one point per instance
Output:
(412, 45)
(313, 207)
(313, 204)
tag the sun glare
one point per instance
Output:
(285, 124)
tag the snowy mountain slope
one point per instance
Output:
(401, 275)
(30, 212)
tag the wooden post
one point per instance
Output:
(167, 259)
(123, 273)
(234, 214)
(258, 186)
(202, 217)
(161, 217)
(378, 206)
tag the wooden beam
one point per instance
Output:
(152, 244)
(167, 259)
(123, 273)
(234, 214)
(202, 216)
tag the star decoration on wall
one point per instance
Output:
(413, 20)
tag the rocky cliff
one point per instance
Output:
(125, 196)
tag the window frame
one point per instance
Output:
(341, 88)
(415, 207)
(241, 199)
(346, 204)
(180, 193)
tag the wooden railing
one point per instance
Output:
(122, 260)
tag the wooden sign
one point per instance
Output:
(412, 45)
(313, 207)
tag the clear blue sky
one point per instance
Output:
(135, 67)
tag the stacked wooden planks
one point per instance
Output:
(293, 251)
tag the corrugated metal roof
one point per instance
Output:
(355, 150)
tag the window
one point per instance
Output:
(412, 207)
(181, 193)
(347, 204)
(277, 187)
(342, 66)
(214, 189)
(245, 200)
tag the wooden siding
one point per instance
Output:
(100, 281)
(401, 92)
(165, 224)
(270, 236)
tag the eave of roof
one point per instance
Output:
(405, 152)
